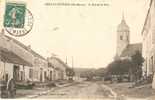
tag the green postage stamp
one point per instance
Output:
(15, 15)
(18, 20)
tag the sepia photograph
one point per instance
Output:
(77, 49)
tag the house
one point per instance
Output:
(12, 51)
(59, 68)
(12, 66)
(51, 72)
(40, 67)
(39, 70)
(148, 34)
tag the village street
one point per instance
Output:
(88, 90)
(75, 52)
(99, 90)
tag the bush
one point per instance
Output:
(27, 85)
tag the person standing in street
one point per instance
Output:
(11, 87)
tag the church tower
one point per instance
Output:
(123, 36)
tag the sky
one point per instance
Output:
(88, 34)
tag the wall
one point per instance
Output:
(60, 69)
(6, 68)
(153, 84)
(148, 50)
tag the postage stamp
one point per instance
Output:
(14, 15)
(18, 20)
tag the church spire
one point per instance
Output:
(123, 23)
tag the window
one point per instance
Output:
(21, 75)
(121, 37)
(30, 73)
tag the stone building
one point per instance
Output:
(39, 70)
(124, 49)
(148, 34)
(59, 68)
(13, 65)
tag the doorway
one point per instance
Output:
(16, 73)
(50, 75)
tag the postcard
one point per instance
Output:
(77, 49)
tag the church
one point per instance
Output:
(125, 49)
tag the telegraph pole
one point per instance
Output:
(66, 60)
(72, 66)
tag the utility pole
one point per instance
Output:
(72, 66)
(66, 60)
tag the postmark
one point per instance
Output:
(18, 20)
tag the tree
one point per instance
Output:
(137, 61)
(119, 67)
(131, 67)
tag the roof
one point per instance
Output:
(123, 25)
(58, 59)
(25, 47)
(131, 49)
(10, 57)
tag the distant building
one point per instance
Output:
(59, 68)
(148, 34)
(80, 73)
(124, 49)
